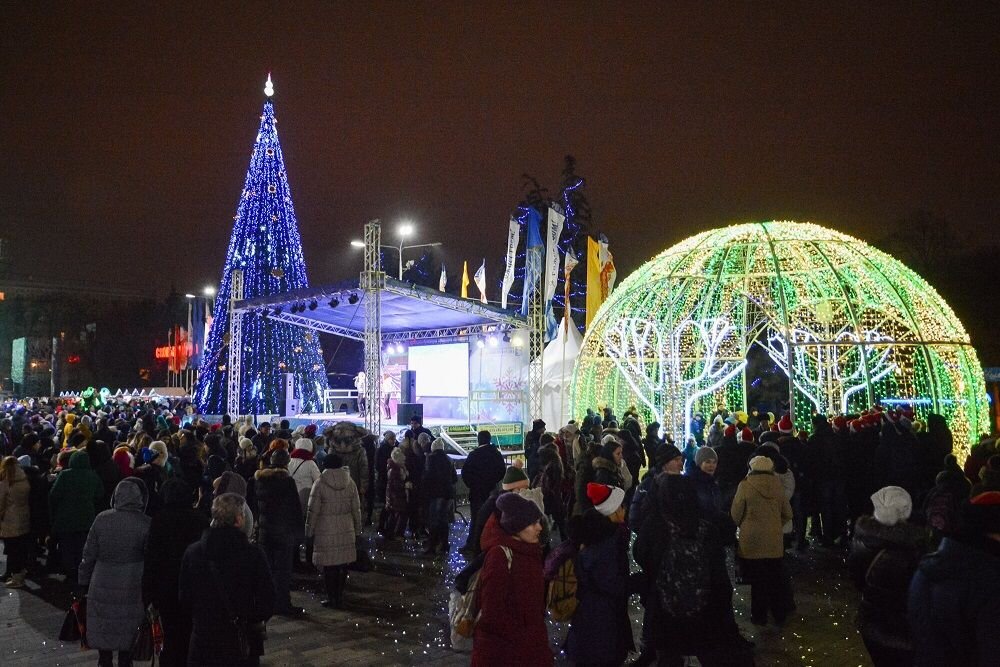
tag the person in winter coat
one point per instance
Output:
(990, 476)
(173, 529)
(608, 464)
(344, 440)
(105, 468)
(369, 442)
(760, 510)
(943, 504)
(73, 501)
(532, 441)
(585, 473)
(511, 592)
(303, 468)
(895, 461)
(280, 525)
(954, 597)
(112, 569)
(333, 522)
(600, 630)
(652, 441)
(439, 490)
(978, 455)
(734, 457)
(885, 551)
(482, 471)
(15, 520)
(382, 455)
(222, 575)
(688, 597)
(247, 460)
(935, 444)
(397, 491)
(152, 470)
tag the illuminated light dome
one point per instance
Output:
(837, 324)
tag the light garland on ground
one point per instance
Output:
(850, 324)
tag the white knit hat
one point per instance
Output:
(892, 505)
(304, 444)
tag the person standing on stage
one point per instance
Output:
(361, 384)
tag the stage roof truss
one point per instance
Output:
(408, 312)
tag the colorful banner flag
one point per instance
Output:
(513, 238)
(554, 231)
(465, 280)
(443, 281)
(601, 275)
(532, 259)
(480, 279)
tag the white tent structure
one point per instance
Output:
(558, 363)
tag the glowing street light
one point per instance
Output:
(405, 229)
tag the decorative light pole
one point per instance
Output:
(404, 230)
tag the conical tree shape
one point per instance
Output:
(266, 245)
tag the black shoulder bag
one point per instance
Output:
(239, 624)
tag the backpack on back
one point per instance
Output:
(562, 601)
(683, 581)
(463, 608)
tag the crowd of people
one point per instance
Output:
(145, 507)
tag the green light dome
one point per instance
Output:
(844, 324)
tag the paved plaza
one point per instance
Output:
(395, 615)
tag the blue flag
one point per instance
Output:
(535, 250)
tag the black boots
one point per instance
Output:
(335, 581)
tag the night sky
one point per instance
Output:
(126, 137)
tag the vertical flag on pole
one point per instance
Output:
(593, 279)
(443, 281)
(569, 263)
(513, 237)
(552, 234)
(532, 260)
(480, 279)
(601, 275)
(465, 280)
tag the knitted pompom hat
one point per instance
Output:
(761, 464)
(514, 479)
(517, 513)
(606, 499)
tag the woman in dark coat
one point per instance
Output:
(281, 525)
(175, 527)
(223, 574)
(439, 490)
(112, 568)
(885, 552)
(105, 468)
(600, 631)
(673, 523)
(511, 627)
(607, 464)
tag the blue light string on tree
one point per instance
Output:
(266, 246)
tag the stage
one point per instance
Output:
(324, 419)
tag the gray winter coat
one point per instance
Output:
(112, 566)
(356, 461)
(333, 518)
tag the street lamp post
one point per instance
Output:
(404, 230)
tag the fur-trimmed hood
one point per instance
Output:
(264, 473)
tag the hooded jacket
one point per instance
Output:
(333, 518)
(356, 461)
(759, 510)
(112, 566)
(15, 510)
(279, 511)
(74, 496)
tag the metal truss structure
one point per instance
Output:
(536, 350)
(372, 283)
(234, 370)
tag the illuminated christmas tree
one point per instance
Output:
(266, 246)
